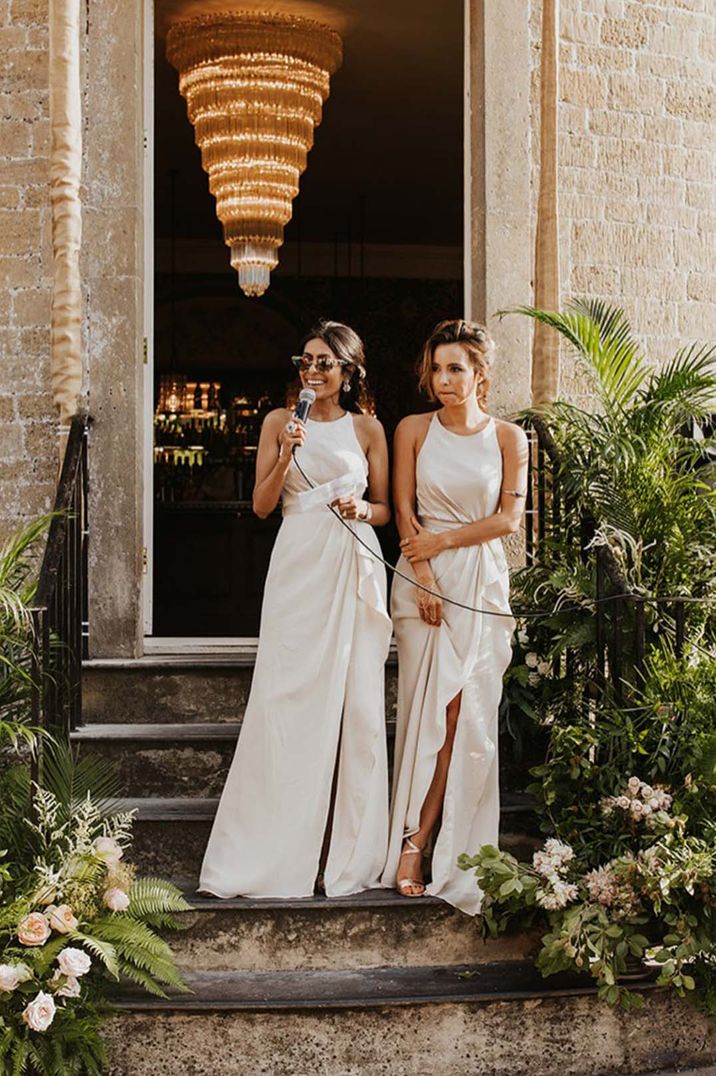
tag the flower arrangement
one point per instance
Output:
(653, 906)
(74, 917)
(74, 921)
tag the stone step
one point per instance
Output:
(199, 809)
(371, 988)
(364, 930)
(498, 1019)
(169, 759)
(184, 759)
(175, 689)
(170, 835)
(164, 759)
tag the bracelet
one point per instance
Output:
(368, 514)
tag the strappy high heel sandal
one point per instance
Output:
(410, 849)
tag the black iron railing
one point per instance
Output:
(625, 622)
(59, 614)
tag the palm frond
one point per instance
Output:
(17, 555)
(70, 776)
(602, 337)
(686, 385)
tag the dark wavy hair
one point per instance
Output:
(346, 344)
(477, 344)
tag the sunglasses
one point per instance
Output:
(322, 364)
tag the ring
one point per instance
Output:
(291, 427)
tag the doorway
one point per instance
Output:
(376, 240)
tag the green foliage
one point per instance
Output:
(627, 790)
(18, 559)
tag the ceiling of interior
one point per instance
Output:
(390, 141)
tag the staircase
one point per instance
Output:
(369, 985)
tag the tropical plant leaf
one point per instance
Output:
(156, 902)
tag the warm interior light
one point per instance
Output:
(254, 86)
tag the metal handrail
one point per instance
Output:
(60, 610)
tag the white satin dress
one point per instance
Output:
(317, 691)
(458, 480)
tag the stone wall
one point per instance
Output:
(638, 162)
(28, 429)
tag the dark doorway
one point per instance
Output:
(375, 241)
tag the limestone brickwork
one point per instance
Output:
(637, 174)
(28, 434)
(638, 225)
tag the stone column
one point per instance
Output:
(112, 279)
(498, 195)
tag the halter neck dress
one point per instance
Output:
(458, 481)
(317, 699)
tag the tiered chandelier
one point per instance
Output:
(254, 86)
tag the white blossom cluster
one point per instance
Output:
(552, 863)
(603, 886)
(538, 667)
(639, 801)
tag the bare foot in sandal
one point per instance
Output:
(410, 879)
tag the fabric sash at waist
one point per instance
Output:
(296, 510)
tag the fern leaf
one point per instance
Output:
(101, 948)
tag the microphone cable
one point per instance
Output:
(532, 614)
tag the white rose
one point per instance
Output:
(646, 810)
(646, 792)
(71, 989)
(108, 850)
(61, 919)
(11, 975)
(624, 802)
(116, 899)
(39, 1014)
(523, 638)
(637, 809)
(532, 660)
(634, 784)
(69, 986)
(74, 962)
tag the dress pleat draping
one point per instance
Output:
(316, 702)
(458, 480)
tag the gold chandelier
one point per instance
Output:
(254, 86)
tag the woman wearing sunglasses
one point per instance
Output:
(308, 786)
(459, 481)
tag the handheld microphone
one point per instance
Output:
(302, 409)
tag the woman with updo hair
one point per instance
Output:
(459, 483)
(307, 792)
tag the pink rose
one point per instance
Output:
(74, 962)
(34, 929)
(116, 899)
(61, 919)
(40, 1013)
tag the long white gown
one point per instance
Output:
(318, 689)
(458, 480)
